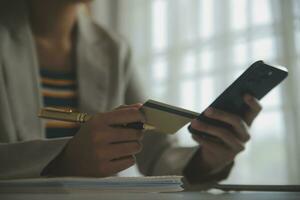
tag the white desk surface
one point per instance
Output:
(157, 196)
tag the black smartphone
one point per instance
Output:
(257, 80)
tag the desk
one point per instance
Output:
(157, 196)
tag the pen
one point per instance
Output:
(139, 125)
(65, 114)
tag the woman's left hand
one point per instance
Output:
(213, 157)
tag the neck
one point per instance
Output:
(53, 19)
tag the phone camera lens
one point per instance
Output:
(270, 73)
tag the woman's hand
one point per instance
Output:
(100, 149)
(213, 157)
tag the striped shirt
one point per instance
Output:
(59, 89)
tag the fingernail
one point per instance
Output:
(138, 105)
(209, 111)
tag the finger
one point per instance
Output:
(255, 108)
(137, 105)
(116, 166)
(115, 135)
(223, 134)
(116, 151)
(121, 164)
(239, 126)
(221, 151)
(125, 116)
(197, 138)
(211, 146)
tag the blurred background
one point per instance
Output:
(189, 51)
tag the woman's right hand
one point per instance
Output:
(100, 149)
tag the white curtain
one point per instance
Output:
(189, 51)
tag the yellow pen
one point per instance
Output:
(66, 114)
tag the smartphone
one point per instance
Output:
(259, 79)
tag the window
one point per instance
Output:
(195, 48)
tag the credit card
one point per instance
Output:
(166, 118)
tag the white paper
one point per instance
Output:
(123, 184)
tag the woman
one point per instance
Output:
(52, 54)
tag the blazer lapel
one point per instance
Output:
(20, 64)
(92, 68)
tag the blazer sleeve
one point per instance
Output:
(28, 159)
(159, 156)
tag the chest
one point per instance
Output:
(53, 56)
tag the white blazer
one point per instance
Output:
(105, 78)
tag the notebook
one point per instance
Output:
(109, 184)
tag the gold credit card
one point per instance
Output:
(166, 118)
